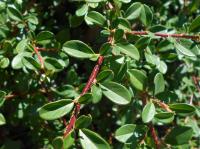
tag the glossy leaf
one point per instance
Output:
(91, 140)
(78, 49)
(2, 120)
(130, 133)
(56, 109)
(44, 37)
(17, 60)
(137, 79)
(105, 75)
(183, 50)
(182, 108)
(94, 17)
(82, 10)
(164, 117)
(159, 83)
(179, 135)
(195, 25)
(96, 93)
(14, 13)
(128, 49)
(83, 121)
(116, 93)
(58, 143)
(86, 98)
(148, 112)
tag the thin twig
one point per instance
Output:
(196, 83)
(162, 105)
(87, 87)
(39, 56)
(164, 35)
(154, 136)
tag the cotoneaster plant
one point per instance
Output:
(99, 74)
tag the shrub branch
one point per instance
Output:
(87, 87)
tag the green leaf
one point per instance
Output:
(44, 37)
(179, 135)
(96, 94)
(95, 18)
(137, 79)
(21, 45)
(2, 120)
(78, 49)
(30, 63)
(133, 11)
(128, 49)
(124, 24)
(58, 143)
(54, 64)
(116, 93)
(56, 109)
(195, 25)
(148, 112)
(105, 75)
(92, 140)
(141, 11)
(182, 108)
(14, 13)
(142, 43)
(82, 10)
(164, 117)
(4, 62)
(69, 141)
(86, 98)
(182, 49)
(146, 15)
(17, 60)
(130, 133)
(83, 121)
(2, 97)
(159, 83)
(125, 1)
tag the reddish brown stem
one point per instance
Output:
(87, 87)
(154, 136)
(162, 105)
(39, 57)
(193, 37)
(196, 83)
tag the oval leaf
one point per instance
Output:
(148, 112)
(96, 93)
(83, 121)
(86, 98)
(14, 13)
(55, 110)
(183, 50)
(2, 120)
(92, 140)
(159, 83)
(94, 17)
(195, 26)
(179, 135)
(130, 133)
(182, 108)
(58, 143)
(137, 79)
(78, 49)
(128, 49)
(164, 117)
(116, 93)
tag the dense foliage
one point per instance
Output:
(99, 74)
